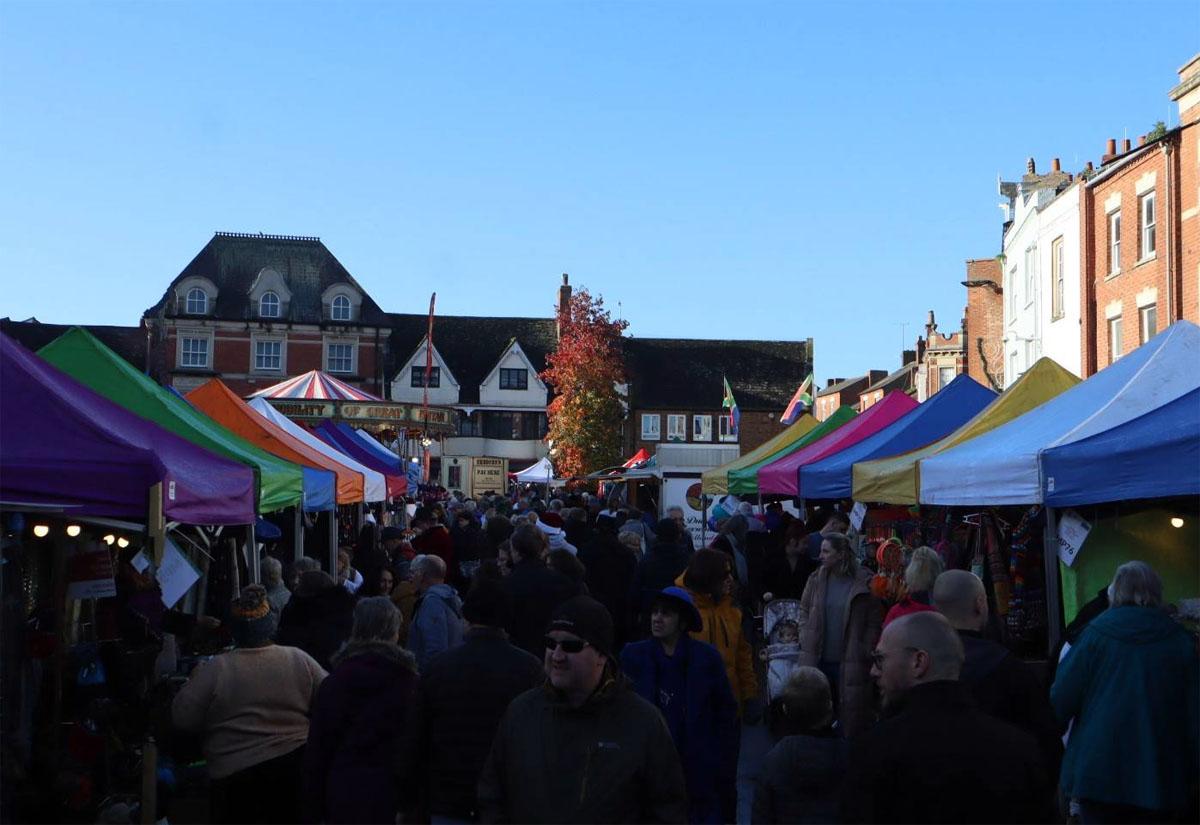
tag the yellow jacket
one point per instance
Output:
(723, 630)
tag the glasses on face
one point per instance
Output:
(567, 645)
(878, 657)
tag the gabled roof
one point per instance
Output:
(683, 373)
(901, 379)
(127, 342)
(233, 261)
(843, 385)
(470, 345)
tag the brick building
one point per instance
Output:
(1140, 225)
(843, 391)
(941, 359)
(902, 380)
(983, 323)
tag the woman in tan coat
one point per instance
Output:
(839, 625)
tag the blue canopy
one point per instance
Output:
(320, 490)
(947, 410)
(1154, 456)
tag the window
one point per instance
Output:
(197, 301)
(1012, 367)
(676, 428)
(945, 376)
(516, 379)
(1030, 274)
(1146, 238)
(1114, 243)
(1011, 289)
(470, 426)
(418, 377)
(268, 356)
(339, 310)
(701, 428)
(514, 426)
(268, 305)
(1114, 339)
(650, 427)
(1057, 262)
(723, 429)
(1149, 319)
(1030, 354)
(454, 477)
(193, 352)
(340, 358)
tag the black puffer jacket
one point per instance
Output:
(801, 780)
(318, 618)
(464, 693)
(611, 760)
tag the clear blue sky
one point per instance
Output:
(740, 170)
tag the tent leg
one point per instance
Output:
(1054, 613)
(333, 546)
(253, 556)
(703, 519)
(298, 535)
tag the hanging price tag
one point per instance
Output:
(1072, 533)
(858, 515)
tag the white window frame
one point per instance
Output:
(328, 351)
(1143, 314)
(1116, 335)
(1012, 294)
(1030, 274)
(1058, 261)
(677, 428)
(1147, 233)
(341, 301)
(702, 428)
(651, 427)
(512, 371)
(187, 302)
(723, 433)
(416, 377)
(276, 303)
(181, 353)
(1114, 243)
(258, 356)
(941, 375)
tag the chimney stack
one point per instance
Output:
(564, 304)
(1089, 166)
(1030, 167)
(1110, 151)
(1126, 145)
(1055, 166)
(907, 357)
(1142, 140)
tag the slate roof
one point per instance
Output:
(127, 342)
(844, 385)
(470, 345)
(685, 373)
(233, 260)
(902, 379)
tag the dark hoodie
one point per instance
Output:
(356, 739)
(318, 618)
(801, 779)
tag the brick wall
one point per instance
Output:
(1187, 207)
(983, 324)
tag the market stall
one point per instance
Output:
(716, 481)
(352, 447)
(744, 480)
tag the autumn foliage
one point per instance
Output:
(586, 414)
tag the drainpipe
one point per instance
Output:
(1168, 240)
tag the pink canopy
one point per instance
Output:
(781, 477)
(315, 384)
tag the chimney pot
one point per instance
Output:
(1055, 166)
(565, 279)
(1089, 166)
(1030, 167)
(1142, 140)
(1111, 147)
(1126, 145)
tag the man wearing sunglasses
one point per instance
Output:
(934, 756)
(583, 747)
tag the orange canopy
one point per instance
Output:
(219, 403)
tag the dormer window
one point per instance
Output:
(339, 309)
(197, 301)
(268, 305)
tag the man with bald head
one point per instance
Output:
(1002, 685)
(934, 756)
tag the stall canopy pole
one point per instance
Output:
(253, 556)
(298, 535)
(155, 524)
(1054, 613)
(333, 548)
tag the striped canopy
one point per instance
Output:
(318, 385)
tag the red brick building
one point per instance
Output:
(1140, 229)
(843, 392)
(942, 359)
(983, 323)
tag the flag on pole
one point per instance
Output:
(801, 400)
(729, 403)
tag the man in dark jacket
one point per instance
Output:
(935, 757)
(534, 588)
(583, 748)
(464, 693)
(665, 559)
(1001, 684)
(685, 679)
(318, 617)
(610, 566)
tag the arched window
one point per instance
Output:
(339, 310)
(268, 305)
(197, 301)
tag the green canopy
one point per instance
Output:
(81, 355)
(744, 480)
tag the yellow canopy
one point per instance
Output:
(716, 481)
(896, 480)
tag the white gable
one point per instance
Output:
(403, 390)
(513, 358)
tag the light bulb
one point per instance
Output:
(41, 530)
(122, 542)
(73, 530)
(1176, 522)
(110, 538)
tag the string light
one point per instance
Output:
(73, 530)
(122, 542)
(1176, 522)
(41, 530)
(109, 539)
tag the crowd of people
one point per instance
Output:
(577, 660)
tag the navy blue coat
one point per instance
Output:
(710, 752)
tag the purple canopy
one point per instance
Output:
(63, 444)
(328, 432)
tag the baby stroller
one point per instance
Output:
(781, 628)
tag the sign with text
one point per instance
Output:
(858, 515)
(176, 574)
(90, 573)
(1072, 533)
(488, 475)
(436, 418)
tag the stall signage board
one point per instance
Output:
(176, 574)
(858, 515)
(488, 475)
(91, 574)
(1072, 533)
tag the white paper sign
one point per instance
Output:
(1072, 532)
(176, 574)
(857, 515)
(90, 573)
(140, 562)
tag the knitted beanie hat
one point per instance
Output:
(252, 621)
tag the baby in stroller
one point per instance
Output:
(781, 626)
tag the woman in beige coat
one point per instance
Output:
(839, 625)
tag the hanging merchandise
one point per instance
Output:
(888, 583)
(1026, 619)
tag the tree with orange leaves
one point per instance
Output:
(586, 413)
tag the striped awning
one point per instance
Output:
(317, 385)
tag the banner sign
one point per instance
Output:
(435, 418)
(488, 475)
(90, 574)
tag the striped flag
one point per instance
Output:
(728, 402)
(799, 402)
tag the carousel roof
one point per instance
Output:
(315, 385)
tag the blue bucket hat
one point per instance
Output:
(680, 598)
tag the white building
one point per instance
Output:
(1041, 272)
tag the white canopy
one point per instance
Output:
(540, 473)
(374, 484)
